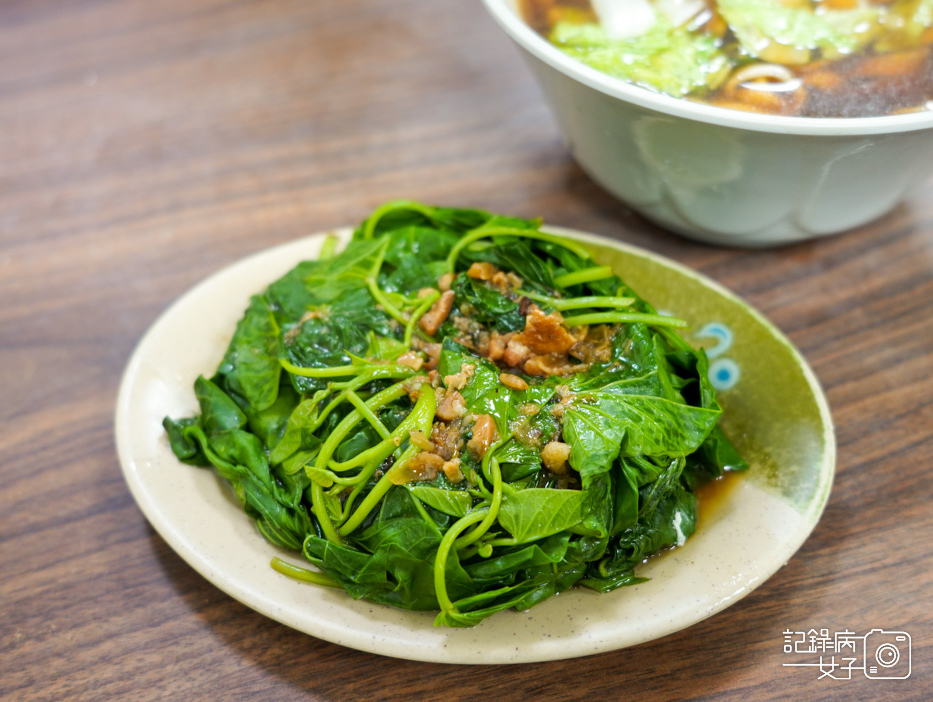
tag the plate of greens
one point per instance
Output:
(454, 436)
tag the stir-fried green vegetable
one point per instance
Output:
(459, 412)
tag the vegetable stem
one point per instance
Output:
(421, 417)
(425, 516)
(574, 303)
(494, 475)
(376, 494)
(624, 318)
(443, 553)
(340, 432)
(303, 574)
(328, 248)
(370, 416)
(587, 275)
(417, 314)
(337, 371)
(372, 282)
(376, 372)
(319, 507)
(503, 542)
(484, 232)
(369, 229)
(339, 398)
(381, 451)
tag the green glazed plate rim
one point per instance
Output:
(753, 530)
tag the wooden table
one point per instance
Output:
(144, 145)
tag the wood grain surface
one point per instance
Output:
(145, 145)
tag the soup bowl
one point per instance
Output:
(719, 175)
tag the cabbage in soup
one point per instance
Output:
(811, 58)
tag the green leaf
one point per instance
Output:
(251, 365)
(239, 458)
(484, 394)
(297, 462)
(715, 456)
(415, 259)
(600, 425)
(456, 503)
(625, 502)
(534, 513)
(520, 256)
(270, 423)
(219, 412)
(545, 552)
(326, 312)
(488, 305)
(384, 348)
(597, 507)
(185, 449)
(670, 524)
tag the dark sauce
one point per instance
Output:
(869, 85)
(712, 496)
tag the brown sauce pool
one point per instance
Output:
(712, 496)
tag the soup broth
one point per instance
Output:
(810, 58)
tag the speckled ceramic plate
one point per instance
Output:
(774, 410)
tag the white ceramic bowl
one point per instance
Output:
(725, 176)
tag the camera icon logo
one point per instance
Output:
(887, 655)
